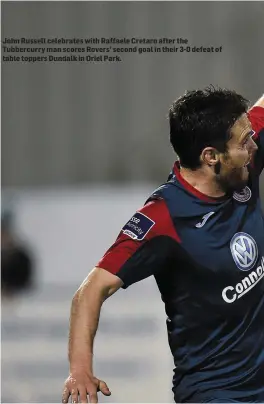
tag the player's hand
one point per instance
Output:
(80, 384)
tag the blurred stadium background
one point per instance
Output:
(82, 147)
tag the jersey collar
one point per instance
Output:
(191, 189)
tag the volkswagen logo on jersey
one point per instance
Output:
(243, 196)
(244, 250)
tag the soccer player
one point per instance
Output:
(201, 235)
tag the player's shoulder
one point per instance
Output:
(155, 209)
(151, 220)
(163, 192)
(178, 200)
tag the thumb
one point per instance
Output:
(104, 388)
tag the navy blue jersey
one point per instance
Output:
(207, 256)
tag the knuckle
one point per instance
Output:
(72, 380)
(92, 385)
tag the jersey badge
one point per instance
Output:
(243, 196)
(138, 226)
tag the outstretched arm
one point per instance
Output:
(142, 249)
(84, 319)
(256, 117)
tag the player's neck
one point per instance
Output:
(203, 181)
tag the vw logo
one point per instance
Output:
(243, 196)
(244, 250)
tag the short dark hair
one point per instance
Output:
(203, 118)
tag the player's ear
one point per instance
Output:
(210, 156)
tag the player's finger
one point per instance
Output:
(65, 395)
(74, 395)
(104, 388)
(93, 398)
(82, 395)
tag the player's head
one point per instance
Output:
(209, 128)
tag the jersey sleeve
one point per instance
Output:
(144, 246)
(256, 117)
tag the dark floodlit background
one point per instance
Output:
(82, 147)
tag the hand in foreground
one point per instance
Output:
(79, 384)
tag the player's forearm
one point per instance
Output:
(85, 312)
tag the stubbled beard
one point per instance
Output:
(232, 182)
